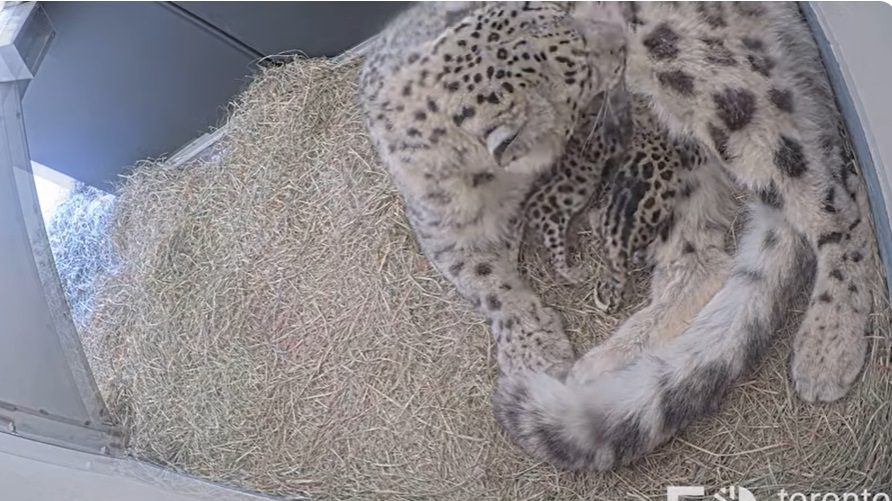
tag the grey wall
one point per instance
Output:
(34, 374)
(315, 28)
(125, 81)
(32, 471)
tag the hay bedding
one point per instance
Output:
(78, 236)
(273, 325)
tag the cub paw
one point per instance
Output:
(608, 295)
(640, 258)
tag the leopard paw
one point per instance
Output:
(828, 354)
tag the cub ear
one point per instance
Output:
(498, 139)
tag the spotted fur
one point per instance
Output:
(468, 106)
(771, 123)
(629, 178)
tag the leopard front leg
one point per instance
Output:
(806, 185)
(755, 92)
(818, 192)
(529, 335)
(830, 346)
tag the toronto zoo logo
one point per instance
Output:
(731, 493)
(736, 493)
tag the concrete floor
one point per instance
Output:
(31, 471)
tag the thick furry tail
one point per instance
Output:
(582, 424)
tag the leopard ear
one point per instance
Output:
(602, 24)
(456, 11)
(599, 13)
(498, 139)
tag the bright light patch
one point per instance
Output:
(52, 188)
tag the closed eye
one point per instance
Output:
(500, 149)
(499, 139)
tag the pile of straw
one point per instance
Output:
(78, 236)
